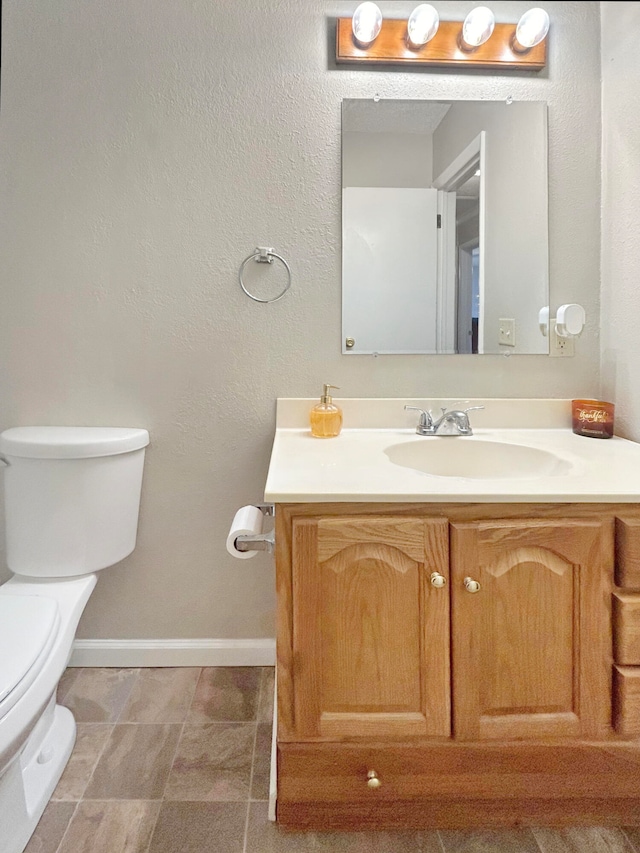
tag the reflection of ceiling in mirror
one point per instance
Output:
(392, 116)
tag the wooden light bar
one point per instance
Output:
(444, 50)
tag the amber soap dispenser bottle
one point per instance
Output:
(326, 417)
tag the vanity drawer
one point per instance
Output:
(626, 699)
(335, 773)
(628, 552)
(626, 628)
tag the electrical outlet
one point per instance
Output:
(559, 347)
(507, 332)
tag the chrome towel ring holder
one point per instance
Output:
(264, 255)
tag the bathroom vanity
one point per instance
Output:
(456, 651)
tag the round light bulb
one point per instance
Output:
(422, 24)
(478, 26)
(532, 28)
(366, 23)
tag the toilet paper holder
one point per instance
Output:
(259, 541)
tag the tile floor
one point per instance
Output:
(177, 761)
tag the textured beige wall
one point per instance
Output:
(621, 214)
(145, 148)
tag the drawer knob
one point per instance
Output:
(438, 580)
(373, 780)
(471, 585)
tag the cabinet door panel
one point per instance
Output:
(531, 648)
(371, 634)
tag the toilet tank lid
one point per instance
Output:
(49, 442)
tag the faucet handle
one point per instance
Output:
(425, 424)
(425, 417)
(473, 409)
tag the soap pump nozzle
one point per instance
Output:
(326, 396)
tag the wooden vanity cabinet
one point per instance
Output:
(451, 665)
(530, 649)
(370, 631)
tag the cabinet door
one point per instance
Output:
(531, 648)
(370, 631)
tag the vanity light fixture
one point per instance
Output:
(423, 39)
(422, 25)
(532, 28)
(478, 27)
(366, 23)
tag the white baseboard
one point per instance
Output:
(135, 653)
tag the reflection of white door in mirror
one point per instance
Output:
(389, 269)
(491, 251)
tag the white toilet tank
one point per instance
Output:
(72, 496)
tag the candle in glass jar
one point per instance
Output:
(592, 418)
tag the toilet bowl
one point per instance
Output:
(72, 496)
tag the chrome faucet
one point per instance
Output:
(455, 422)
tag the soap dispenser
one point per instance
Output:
(326, 417)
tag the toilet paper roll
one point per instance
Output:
(247, 521)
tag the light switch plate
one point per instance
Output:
(507, 332)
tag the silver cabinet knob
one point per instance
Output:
(471, 585)
(438, 580)
(373, 780)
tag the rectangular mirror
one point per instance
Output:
(444, 226)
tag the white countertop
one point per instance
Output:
(354, 467)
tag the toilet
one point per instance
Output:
(72, 496)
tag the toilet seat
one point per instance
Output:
(28, 628)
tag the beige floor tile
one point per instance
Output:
(199, 828)
(263, 836)
(226, 694)
(98, 695)
(135, 762)
(267, 686)
(405, 842)
(118, 826)
(582, 840)
(91, 739)
(161, 695)
(212, 762)
(52, 826)
(261, 763)
(633, 835)
(490, 841)
(68, 677)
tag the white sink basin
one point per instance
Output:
(477, 459)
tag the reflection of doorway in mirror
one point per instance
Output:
(475, 297)
(468, 254)
(463, 180)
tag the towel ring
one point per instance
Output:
(264, 255)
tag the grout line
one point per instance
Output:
(441, 842)
(539, 846)
(246, 828)
(155, 824)
(175, 752)
(253, 758)
(195, 690)
(104, 746)
(161, 800)
(134, 681)
(64, 834)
